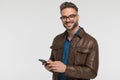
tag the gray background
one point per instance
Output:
(27, 28)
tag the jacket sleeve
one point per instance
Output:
(87, 71)
(52, 56)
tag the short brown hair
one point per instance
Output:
(68, 5)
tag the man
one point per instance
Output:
(74, 53)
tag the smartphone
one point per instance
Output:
(43, 61)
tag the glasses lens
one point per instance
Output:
(72, 16)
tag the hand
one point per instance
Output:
(46, 64)
(56, 66)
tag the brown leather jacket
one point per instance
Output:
(83, 57)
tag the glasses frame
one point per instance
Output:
(70, 17)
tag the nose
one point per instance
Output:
(67, 19)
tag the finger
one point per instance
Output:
(53, 69)
(49, 61)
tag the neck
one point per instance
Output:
(72, 32)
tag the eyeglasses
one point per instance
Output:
(70, 17)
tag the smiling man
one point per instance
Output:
(74, 54)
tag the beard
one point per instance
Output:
(71, 27)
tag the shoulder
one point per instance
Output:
(60, 36)
(59, 39)
(87, 37)
(91, 37)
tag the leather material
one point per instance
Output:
(83, 58)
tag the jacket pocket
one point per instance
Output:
(81, 55)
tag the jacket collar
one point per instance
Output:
(80, 35)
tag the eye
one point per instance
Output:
(63, 17)
(72, 16)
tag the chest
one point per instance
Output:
(77, 55)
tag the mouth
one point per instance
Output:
(69, 24)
